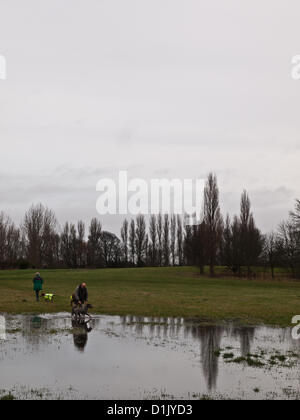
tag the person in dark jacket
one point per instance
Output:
(37, 285)
(80, 296)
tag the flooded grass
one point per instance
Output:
(129, 357)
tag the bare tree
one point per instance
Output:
(179, 241)
(242, 242)
(132, 241)
(111, 249)
(245, 215)
(245, 207)
(94, 243)
(81, 244)
(295, 215)
(39, 225)
(73, 245)
(166, 240)
(159, 226)
(13, 252)
(33, 228)
(255, 243)
(230, 245)
(188, 243)
(124, 236)
(48, 245)
(4, 225)
(10, 243)
(65, 245)
(212, 220)
(140, 240)
(200, 233)
(290, 245)
(251, 241)
(173, 238)
(153, 240)
(271, 247)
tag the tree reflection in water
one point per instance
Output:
(210, 340)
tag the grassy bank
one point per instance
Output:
(175, 291)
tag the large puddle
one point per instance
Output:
(145, 358)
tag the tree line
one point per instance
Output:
(163, 240)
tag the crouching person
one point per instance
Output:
(79, 303)
(80, 296)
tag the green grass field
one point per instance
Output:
(160, 292)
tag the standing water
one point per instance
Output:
(145, 358)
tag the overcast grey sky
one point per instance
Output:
(171, 88)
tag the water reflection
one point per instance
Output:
(209, 336)
(36, 322)
(210, 339)
(177, 349)
(245, 336)
(80, 334)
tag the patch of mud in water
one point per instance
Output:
(46, 357)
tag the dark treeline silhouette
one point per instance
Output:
(235, 243)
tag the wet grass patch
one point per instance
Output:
(228, 356)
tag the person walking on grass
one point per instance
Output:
(37, 285)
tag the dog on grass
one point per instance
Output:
(49, 297)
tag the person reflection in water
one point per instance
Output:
(36, 322)
(80, 334)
